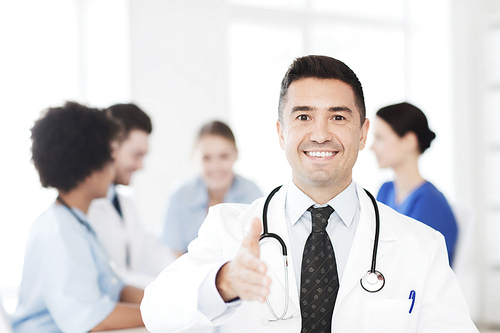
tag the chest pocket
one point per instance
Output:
(387, 315)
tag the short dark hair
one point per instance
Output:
(219, 128)
(131, 117)
(322, 67)
(71, 142)
(405, 117)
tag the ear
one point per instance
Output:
(411, 140)
(235, 154)
(364, 134)
(279, 128)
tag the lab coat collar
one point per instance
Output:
(358, 263)
(360, 255)
(271, 253)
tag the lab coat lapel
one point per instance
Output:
(271, 253)
(360, 255)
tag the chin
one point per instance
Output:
(122, 181)
(218, 185)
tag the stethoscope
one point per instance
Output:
(113, 268)
(373, 281)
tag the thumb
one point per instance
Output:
(251, 241)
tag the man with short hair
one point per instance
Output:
(329, 226)
(139, 255)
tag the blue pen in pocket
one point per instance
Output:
(412, 296)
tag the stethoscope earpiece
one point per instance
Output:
(266, 321)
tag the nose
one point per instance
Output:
(321, 132)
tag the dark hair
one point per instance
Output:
(322, 67)
(71, 142)
(404, 118)
(217, 127)
(131, 117)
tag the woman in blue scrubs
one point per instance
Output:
(402, 134)
(68, 283)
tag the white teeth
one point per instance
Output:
(319, 153)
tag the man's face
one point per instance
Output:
(129, 155)
(321, 133)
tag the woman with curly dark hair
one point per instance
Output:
(68, 282)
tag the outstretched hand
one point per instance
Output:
(245, 276)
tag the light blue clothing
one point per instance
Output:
(188, 208)
(428, 205)
(67, 283)
(341, 227)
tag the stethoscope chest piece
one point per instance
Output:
(372, 281)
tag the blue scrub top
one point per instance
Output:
(67, 283)
(188, 208)
(428, 205)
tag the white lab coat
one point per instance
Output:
(411, 256)
(148, 256)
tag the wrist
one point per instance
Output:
(223, 287)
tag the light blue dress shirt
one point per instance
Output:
(67, 283)
(341, 227)
(188, 208)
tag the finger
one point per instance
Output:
(253, 292)
(251, 241)
(252, 277)
(248, 260)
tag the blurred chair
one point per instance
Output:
(465, 261)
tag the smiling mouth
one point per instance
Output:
(320, 153)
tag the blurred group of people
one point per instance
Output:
(86, 154)
(89, 256)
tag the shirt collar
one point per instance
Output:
(111, 192)
(345, 203)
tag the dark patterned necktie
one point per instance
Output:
(319, 282)
(117, 206)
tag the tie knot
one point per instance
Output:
(320, 216)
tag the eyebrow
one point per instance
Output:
(331, 109)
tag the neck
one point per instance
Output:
(216, 196)
(76, 199)
(322, 194)
(407, 179)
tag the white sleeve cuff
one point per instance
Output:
(211, 304)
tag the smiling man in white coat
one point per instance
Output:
(328, 224)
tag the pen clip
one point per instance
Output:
(412, 296)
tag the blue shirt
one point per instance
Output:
(428, 205)
(188, 208)
(67, 283)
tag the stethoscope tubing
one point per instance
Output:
(110, 262)
(377, 231)
(379, 280)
